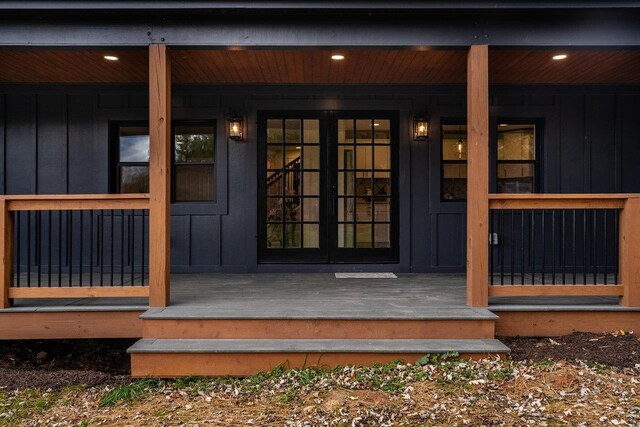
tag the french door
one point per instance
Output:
(328, 187)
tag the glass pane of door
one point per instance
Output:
(364, 189)
(293, 183)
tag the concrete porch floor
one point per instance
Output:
(311, 295)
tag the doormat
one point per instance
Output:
(366, 276)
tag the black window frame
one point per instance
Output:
(536, 162)
(456, 121)
(115, 164)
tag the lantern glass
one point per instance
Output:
(235, 128)
(420, 129)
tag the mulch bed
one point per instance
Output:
(619, 350)
(55, 364)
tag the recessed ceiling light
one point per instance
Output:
(502, 125)
(337, 57)
(559, 57)
(110, 58)
(376, 124)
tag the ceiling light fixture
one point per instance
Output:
(337, 57)
(560, 57)
(110, 58)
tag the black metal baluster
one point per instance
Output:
(101, 242)
(532, 251)
(49, 251)
(132, 247)
(513, 244)
(606, 248)
(594, 244)
(91, 248)
(28, 249)
(121, 247)
(18, 239)
(491, 247)
(544, 245)
(111, 212)
(38, 247)
(584, 246)
(563, 248)
(501, 248)
(616, 243)
(70, 234)
(81, 243)
(59, 248)
(144, 243)
(575, 249)
(553, 246)
(522, 246)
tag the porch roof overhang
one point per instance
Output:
(146, 5)
(313, 24)
(314, 66)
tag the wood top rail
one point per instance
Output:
(55, 202)
(560, 201)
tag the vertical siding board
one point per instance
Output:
(602, 131)
(630, 142)
(21, 144)
(2, 145)
(52, 144)
(203, 245)
(572, 144)
(88, 151)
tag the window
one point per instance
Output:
(454, 162)
(193, 160)
(516, 158)
(133, 159)
(193, 177)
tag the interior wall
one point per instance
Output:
(55, 139)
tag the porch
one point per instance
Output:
(99, 265)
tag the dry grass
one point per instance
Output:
(447, 392)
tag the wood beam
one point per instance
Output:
(81, 292)
(6, 254)
(554, 290)
(478, 176)
(629, 258)
(159, 174)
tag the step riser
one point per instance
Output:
(316, 329)
(169, 365)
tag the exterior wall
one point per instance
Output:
(55, 139)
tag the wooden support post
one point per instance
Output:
(159, 175)
(478, 176)
(6, 254)
(629, 257)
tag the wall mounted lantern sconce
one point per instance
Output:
(235, 127)
(420, 128)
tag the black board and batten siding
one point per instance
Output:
(55, 139)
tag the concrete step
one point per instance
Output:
(242, 357)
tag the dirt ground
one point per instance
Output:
(86, 383)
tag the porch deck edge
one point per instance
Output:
(444, 313)
(555, 308)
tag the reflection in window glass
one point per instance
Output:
(194, 163)
(454, 162)
(134, 144)
(516, 157)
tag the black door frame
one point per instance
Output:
(328, 251)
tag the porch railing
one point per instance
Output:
(564, 245)
(74, 246)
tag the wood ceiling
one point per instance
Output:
(316, 67)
